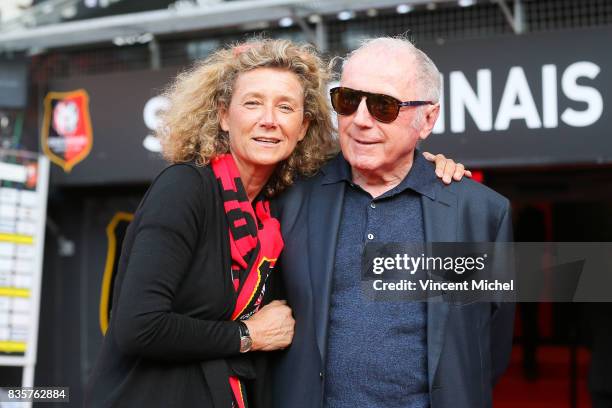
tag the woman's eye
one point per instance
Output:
(251, 104)
(286, 108)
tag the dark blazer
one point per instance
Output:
(170, 341)
(468, 346)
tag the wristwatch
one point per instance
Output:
(245, 337)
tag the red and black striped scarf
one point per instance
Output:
(255, 243)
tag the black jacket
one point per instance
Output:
(468, 346)
(170, 342)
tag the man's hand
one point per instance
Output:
(447, 169)
(271, 328)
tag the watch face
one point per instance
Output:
(245, 344)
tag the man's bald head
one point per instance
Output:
(388, 52)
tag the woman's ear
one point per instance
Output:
(304, 129)
(223, 117)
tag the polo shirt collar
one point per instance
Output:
(421, 178)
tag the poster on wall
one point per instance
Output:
(125, 148)
(534, 99)
(23, 201)
(66, 134)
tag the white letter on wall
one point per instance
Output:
(587, 94)
(517, 87)
(151, 120)
(550, 110)
(463, 96)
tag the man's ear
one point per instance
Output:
(429, 120)
(223, 117)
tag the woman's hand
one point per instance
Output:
(271, 328)
(447, 169)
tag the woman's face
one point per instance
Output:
(265, 119)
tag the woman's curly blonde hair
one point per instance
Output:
(191, 129)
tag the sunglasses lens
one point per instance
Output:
(345, 101)
(384, 108)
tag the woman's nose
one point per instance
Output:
(268, 117)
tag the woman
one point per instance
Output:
(192, 307)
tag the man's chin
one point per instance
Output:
(364, 166)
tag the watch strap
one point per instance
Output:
(244, 329)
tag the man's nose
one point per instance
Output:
(268, 117)
(362, 115)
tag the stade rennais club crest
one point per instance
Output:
(66, 134)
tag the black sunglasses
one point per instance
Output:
(383, 108)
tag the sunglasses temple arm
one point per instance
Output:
(416, 103)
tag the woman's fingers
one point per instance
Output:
(272, 327)
(459, 172)
(429, 156)
(439, 160)
(447, 169)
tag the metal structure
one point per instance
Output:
(206, 15)
(516, 19)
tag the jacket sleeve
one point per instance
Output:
(144, 324)
(502, 319)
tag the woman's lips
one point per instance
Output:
(266, 141)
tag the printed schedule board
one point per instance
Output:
(23, 200)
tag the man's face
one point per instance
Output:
(374, 148)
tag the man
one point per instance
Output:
(349, 351)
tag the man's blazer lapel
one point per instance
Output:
(440, 222)
(324, 214)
